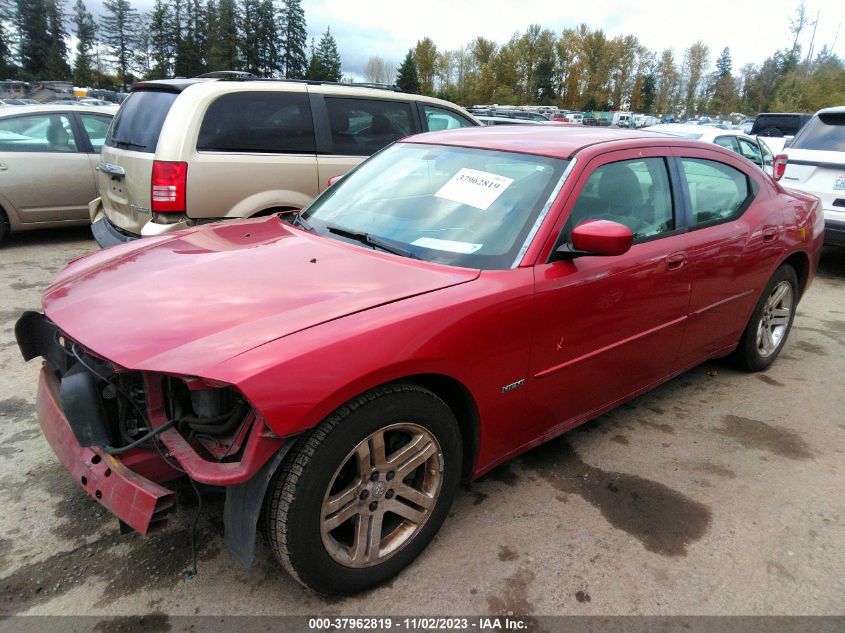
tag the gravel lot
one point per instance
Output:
(718, 493)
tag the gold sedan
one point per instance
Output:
(48, 158)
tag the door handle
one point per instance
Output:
(3, 167)
(676, 261)
(770, 234)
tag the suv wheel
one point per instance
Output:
(363, 494)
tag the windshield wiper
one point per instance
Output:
(298, 221)
(371, 240)
(125, 142)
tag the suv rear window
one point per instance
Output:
(258, 122)
(825, 132)
(779, 125)
(139, 120)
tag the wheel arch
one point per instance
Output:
(459, 399)
(800, 262)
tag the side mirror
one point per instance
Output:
(333, 180)
(599, 237)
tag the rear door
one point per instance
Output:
(351, 128)
(96, 128)
(126, 160)
(733, 237)
(45, 174)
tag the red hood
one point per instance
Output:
(188, 301)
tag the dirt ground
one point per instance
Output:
(719, 493)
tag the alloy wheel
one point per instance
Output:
(381, 495)
(775, 320)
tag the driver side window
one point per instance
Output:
(635, 193)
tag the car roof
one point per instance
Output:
(703, 132)
(556, 141)
(172, 85)
(35, 109)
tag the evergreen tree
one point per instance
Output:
(325, 60)
(648, 93)
(293, 40)
(723, 64)
(162, 41)
(34, 45)
(192, 40)
(407, 78)
(56, 63)
(86, 31)
(7, 41)
(251, 34)
(118, 30)
(223, 35)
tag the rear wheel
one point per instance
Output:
(770, 322)
(4, 225)
(362, 495)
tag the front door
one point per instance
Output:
(608, 326)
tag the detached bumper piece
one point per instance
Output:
(135, 500)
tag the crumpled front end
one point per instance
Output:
(122, 433)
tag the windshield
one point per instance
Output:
(450, 205)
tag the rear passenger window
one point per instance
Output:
(717, 192)
(726, 141)
(635, 193)
(360, 127)
(258, 122)
(442, 119)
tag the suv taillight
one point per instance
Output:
(168, 184)
(779, 166)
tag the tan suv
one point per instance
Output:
(183, 151)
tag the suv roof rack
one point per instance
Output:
(240, 75)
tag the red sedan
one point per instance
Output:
(457, 299)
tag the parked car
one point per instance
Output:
(504, 120)
(48, 155)
(754, 149)
(11, 102)
(97, 102)
(459, 298)
(186, 151)
(815, 162)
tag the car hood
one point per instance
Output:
(185, 302)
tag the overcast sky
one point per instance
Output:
(753, 29)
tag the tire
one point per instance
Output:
(4, 225)
(773, 315)
(322, 481)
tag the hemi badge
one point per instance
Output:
(513, 385)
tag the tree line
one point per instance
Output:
(176, 38)
(584, 69)
(580, 68)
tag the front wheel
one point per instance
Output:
(770, 322)
(362, 494)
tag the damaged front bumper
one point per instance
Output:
(128, 481)
(137, 501)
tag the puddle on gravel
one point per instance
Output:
(16, 409)
(154, 622)
(759, 435)
(662, 519)
(125, 563)
(769, 380)
(506, 553)
(513, 597)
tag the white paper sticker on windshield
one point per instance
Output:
(465, 248)
(475, 188)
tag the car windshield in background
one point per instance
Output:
(138, 123)
(450, 205)
(823, 132)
